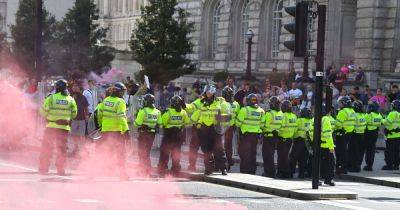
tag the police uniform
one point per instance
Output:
(286, 133)
(327, 149)
(345, 121)
(194, 145)
(250, 121)
(298, 151)
(374, 122)
(58, 109)
(205, 119)
(228, 138)
(273, 123)
(173, 122)
(356, 142)
(392, 130)
(148, 119)
(111, 116)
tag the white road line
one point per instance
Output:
(341, 205)
(28, 169)
(261, 201)
(87, 200)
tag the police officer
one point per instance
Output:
(374, 122)
(194, 145)
(286, 133)
(227, 94)
(147, 121)
(111, 116)
(345, 122)
(273, 123)
(327, 147)
(298, 152)
(211, 141)
(250, 120)
(359, 133)
(392, 131)
(173, 121)
(58, 109)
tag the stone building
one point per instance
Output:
(366, 32)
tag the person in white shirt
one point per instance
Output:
(90, 95)
(295, 93)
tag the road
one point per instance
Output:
(22, 188)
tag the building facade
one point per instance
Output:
(364, 32)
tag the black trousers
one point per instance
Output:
(283, 157)
(211, 145)
(194, 147)
(171, 145)
(145, 142)
(327, 165)
(248, 153)
(228, 138)
(269, 146)
(113, 152)
(342, 145)
(297, 155)
(392, 152)
(368, 147)
(353, 152)
(59, 138)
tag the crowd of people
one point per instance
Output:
(278, 118)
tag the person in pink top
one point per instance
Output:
(345, 70)
(380, 98)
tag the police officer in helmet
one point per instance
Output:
(392, 131)
(58, 109)
(250, 120)
(374, 121)
(147, 121)
(228, 95)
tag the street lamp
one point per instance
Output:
(38, 39)
(249, 36)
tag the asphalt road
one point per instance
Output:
(22, 188)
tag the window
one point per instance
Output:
(244, 28)
(216, 23)
(276, 27)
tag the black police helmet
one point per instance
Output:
(176, 103)
(306, 113)
(323, 109)
(227, 93)
(148, 100)
(119, 86)
(396, 105)
(358, 106)
(286, 106)
(274, 103)
(61, 85)
(251, 99)
(373, 106)
(345, 102)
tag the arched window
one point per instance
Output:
(216, 23)
(276, 27)
(244, 27)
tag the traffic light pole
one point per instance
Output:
(38, 39)
(318, 95)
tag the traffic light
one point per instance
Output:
(298, 29)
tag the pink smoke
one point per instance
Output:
(113, 75)
(18, 126)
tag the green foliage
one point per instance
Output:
(23, 34)
(81, 41)
(160, 42)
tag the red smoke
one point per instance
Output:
(18, 126)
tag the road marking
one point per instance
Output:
(28, 169)
(262, 201)
(87, 200)
(341, 205)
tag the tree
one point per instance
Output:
(160, 42)
(82, 41)
(23, 34)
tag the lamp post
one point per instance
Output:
(249, 36)
(38, 39)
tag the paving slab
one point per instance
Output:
(297, 189)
